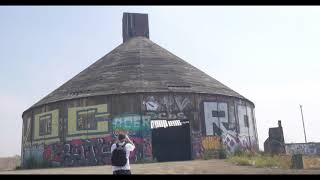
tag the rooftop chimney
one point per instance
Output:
(279, 123)
(134, 24)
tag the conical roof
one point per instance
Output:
(138, 65)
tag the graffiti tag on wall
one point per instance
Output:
(167, 103)
(303, 148)
(217, 124)
(138, 128)
(166, 108)
(211, 142)
(197, 144)
(80, 152)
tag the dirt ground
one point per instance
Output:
(213, 166)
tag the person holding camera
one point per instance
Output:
(120, 152)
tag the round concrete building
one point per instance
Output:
(170, 109)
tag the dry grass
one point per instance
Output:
(261, 161)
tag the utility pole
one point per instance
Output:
(304, 130)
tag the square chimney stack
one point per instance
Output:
(134, 24)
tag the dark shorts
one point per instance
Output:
(122, 172)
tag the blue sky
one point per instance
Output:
(269, 54)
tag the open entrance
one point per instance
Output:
(171, 140)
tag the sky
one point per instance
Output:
(269, 54)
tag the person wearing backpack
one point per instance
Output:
(120, 152)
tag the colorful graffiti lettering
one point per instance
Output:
(95, 151)
(142, 151)
(132, 124)
(138, 128)
(33, 152)
(211, 142)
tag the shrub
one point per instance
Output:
(267, 161)
(222, 153)
(206, 155)
(258, 160)
(240, 160)
(238, 151)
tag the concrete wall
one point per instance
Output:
(303, 148)
(80, 132)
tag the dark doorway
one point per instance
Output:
(172, 143)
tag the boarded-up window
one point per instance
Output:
(218, 114)
(86, 119)
(45, 125)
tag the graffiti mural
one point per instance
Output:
(46, 127)
(217, 124)
(165, 108)
(34, 152)
(138, 128)
(167, 104)
(211, 142)
(303, 148)
(247, 125)
(85, 152)
(197, 144)
(233, 141)
(88, 122)
(131, 123)
(216, 118)
(143, 149)
(80, 152)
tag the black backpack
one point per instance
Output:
(118, 157)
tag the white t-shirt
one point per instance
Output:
(129, 147)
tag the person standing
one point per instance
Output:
(120, 152)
